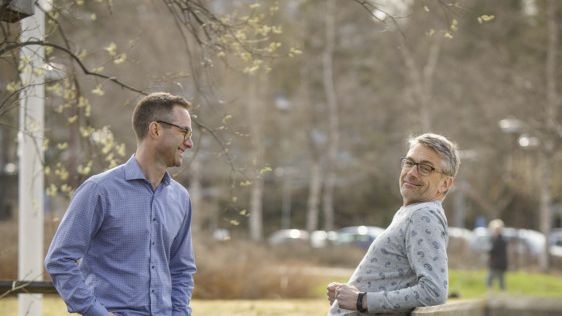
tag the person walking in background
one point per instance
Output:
(406, 266)
(124, 244)
(497, 261)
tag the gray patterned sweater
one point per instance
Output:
(406, 266)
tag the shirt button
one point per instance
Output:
(154, 219)
(153, 242)
(152, 267)
(152, 291)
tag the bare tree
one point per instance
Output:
(333, 116)
(421, 79)
(553, 104)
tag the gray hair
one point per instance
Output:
(446, 149)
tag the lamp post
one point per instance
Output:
(543, 176)
(460, 188)
(543, 181)
(513, 127)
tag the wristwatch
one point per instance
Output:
(359, 304)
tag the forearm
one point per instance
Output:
(424, 293)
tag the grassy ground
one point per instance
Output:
(468, 284)
(471, 284)
(53, 306)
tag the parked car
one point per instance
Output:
(555, 242)
(322, 238)
(464, 235)
(528, 241)
(289, 237)
(459, 248)
(525, 246)
(460, 238)
(360, 236)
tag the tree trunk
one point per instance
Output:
(256, 194)
(333, 118)
(544, 205)
(422, 80)
(315, 178)
(547, 146)
(315, 186)
(195, 193)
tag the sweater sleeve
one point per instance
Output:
(426, 248)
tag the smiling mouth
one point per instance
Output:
(410, 184)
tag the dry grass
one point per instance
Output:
(229, 270)
(9, 246)
(53, 306)
(245, 270)
(9, 249)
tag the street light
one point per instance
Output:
(460, 188)
(510, 125)
(524, 140)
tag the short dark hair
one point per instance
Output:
(155, 106)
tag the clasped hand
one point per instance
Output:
(344, 293)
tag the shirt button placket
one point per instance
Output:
(153, 231)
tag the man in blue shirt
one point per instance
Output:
(124, 245)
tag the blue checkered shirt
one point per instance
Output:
(125, 248)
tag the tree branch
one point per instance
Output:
(13, 46)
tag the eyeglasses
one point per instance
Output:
(424, 169)
(187, 132)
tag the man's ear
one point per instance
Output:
(153, 130)
(446, 184)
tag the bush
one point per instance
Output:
(248, 270)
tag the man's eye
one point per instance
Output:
(426, 168)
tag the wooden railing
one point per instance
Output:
(9, 287)
(496, 305)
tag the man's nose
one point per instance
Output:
(413, 171)
(189, 143)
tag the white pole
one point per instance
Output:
(31, 188)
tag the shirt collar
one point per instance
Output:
(133, 171)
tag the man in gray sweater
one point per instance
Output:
(406, 266)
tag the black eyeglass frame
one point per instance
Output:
(187, 132)
(425, 170)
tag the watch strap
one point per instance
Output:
(359, 304)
